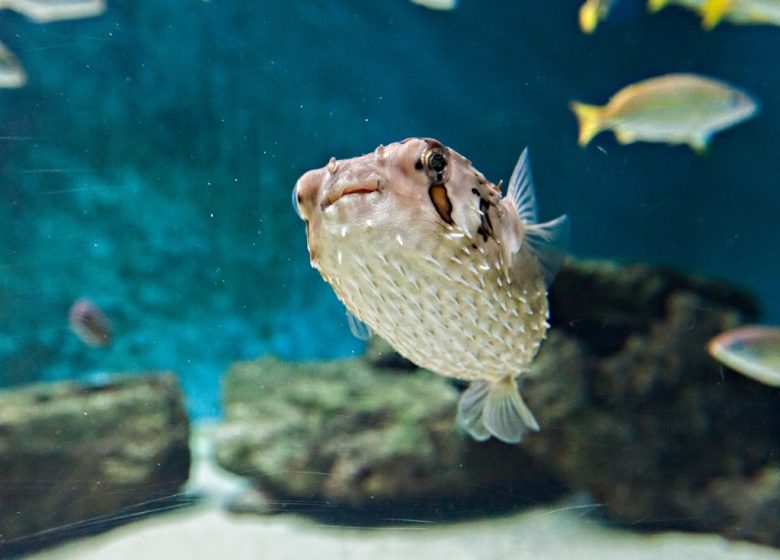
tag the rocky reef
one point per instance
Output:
(664, 435)
(323, 435)
(74, 456)
(632, 409)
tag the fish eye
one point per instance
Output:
(435, 162)
(296, 200)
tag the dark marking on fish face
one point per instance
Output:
(438, 194)
(485, 228)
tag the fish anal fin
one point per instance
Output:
(589, 119)
(624, 136)
(700, 144)
(495, 409)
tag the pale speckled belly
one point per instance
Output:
(462, 320)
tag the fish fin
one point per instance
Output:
(713, 11)
(655, 5)
(497, 409)
(589, 17)
(470, 409)
(589, 120)
(521, 189)
(358, 328)
(549, 243)
(625, 137)
(700, 144)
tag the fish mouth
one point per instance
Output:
(364, 187)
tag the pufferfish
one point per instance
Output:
(426, 253)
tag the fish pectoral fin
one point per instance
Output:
(495, 409)
(470, 410)
(713, 11)
(358, 328)
(549, 243)
(589, 120)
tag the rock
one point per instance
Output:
(634, 411)
(664, 435)
(72, 456)
(344, 434)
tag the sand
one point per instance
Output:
(545, 533)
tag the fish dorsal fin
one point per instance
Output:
(521, 189)
(549, 242)
(358, 328)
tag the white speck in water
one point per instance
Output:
(343, 231)
(340, 257)
(400, 240)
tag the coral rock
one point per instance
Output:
(72, 456)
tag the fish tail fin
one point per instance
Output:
(713, 11)
(589, 17)
(655, 5)
(495, 409)
(589, 120)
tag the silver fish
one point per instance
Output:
(424, 250)
(675, 108)
(752, 350)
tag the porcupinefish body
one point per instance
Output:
(424, 251)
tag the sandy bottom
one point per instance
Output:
(207, 532)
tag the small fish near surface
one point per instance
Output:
(675, 109)
(752, 350)
(89, 323)
(425, 251)
(743, 12)
(441, 5)
(44, 11)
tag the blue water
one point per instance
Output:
(148, 162)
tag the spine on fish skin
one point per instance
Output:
(589, 119)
